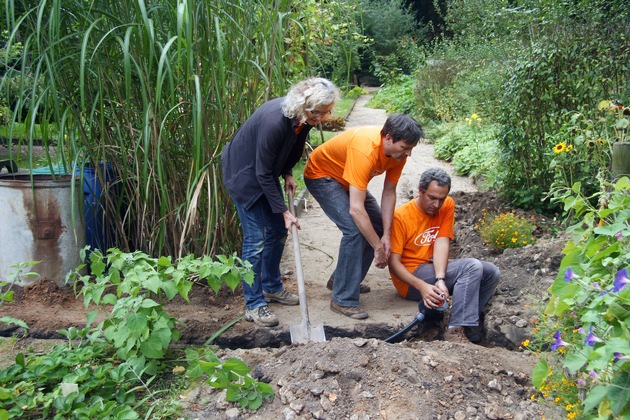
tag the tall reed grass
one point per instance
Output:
(152, 89)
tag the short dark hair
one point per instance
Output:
(402, 127)
(438, 175)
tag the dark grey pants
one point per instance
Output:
(471, 284)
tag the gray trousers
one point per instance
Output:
(471, 284)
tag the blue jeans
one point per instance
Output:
(264, 235)
(355, 252)
(471, 284)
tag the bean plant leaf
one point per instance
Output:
(595, 397)
(10, 320)
(539, 373)
(575, 361)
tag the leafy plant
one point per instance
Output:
(6, 294)
(396, 96)
(590, 302)
(506, 230)
(68, 381)
(133, 284)
(231, 374)
(583, 150)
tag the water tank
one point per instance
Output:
(40, 220)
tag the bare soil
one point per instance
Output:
(355, 374)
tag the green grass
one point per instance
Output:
(20, 131)
(342, 107)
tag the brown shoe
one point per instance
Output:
(364, 288)
(353, 312)
(456, 335)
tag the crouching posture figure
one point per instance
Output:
(422, 230)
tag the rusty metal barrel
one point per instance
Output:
(40, 220)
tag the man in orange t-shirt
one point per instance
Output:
(337, 175)
(419, 266)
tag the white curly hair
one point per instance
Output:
(307, 95)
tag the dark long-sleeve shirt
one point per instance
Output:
(264, 148)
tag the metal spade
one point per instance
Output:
(304, 331)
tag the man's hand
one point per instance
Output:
(433, 296)
(441, 284)
(380, 257)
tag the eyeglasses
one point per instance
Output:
(318, 113)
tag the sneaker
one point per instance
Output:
(283, 297)
(364, 288)
(353, 312)
(456, 335)
(262, 316)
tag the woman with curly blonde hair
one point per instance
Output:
(265, 147)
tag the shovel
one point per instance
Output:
(304, 331)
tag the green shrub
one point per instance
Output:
(396, 96)
(556, 77)
(506, 230)
(589, 307)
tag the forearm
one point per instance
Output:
(363, 222)
(440, 256)
(388, 204)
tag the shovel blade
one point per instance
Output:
(303, 333)
(317, 333)
(299, 333)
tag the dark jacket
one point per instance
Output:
(264, 148)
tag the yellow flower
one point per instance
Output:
(557, 400)
(474, 116)
(572, 415)
(560, 147)
(526, 343)
(514, 239)
(569, 148)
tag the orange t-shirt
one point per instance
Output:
(414, 233)
(353, 157)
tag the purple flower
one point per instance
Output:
(591, 338)
(593, 374)
(596, 285)
(558, 342)
(621, 280)
(617, 356)
(581, 331)
(580, 382)
(569, 275)
(619, 235)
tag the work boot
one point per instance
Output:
(474, 334)
(283, 297)
(363, 288)
(353, 312)
(262, 316)
(456, 335)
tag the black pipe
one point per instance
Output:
(418, 318)
(422, 310)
